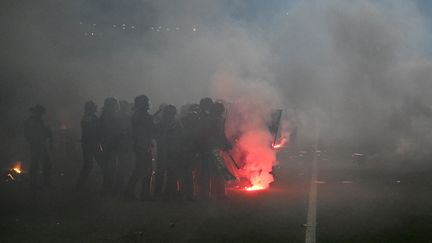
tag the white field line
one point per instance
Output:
(312, 207)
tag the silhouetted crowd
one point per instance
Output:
(176, 154)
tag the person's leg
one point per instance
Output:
(34, 165)
(186, 182)
(46, 167)
(146, 159)
(218, 185)
(110, 158)
(160, 176)
(136, 175)
(87, 167)
(203, 179)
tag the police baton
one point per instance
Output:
(233, 160)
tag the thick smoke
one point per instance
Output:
(360, 67)
(356, 68)
(248, 117)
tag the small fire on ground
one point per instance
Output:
(17, 167)
(255, 188)
(13, 173)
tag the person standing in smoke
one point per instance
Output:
(212, 139)
(111, 135)
(38, 135)
(219, 142)
(125, 158)
(168, 146)
(90, 141)
(143, 130)
(188, 156)
(204, 149)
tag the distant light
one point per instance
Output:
(81, 22)
(194, 29)
(177, 28)
(167, 29)
(114, 26)
(132, 27)
(94, 24)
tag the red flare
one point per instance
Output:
(280, 144)
(254, 188)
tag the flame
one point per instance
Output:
(257, 160)
(246, 127)
(280, 144)
(255, 188)
(17, 167)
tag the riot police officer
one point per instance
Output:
(168, 150)
(143, 130)
(188, 159)
(205, 163)
(38, 135)
(219, 142)
(125, 160)
(111, 135)
(212, 170)
(90, 141)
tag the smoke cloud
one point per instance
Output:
(359, 69)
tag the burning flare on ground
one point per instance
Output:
(255, 188)
(17, 167)
(249, 108)
(13, 173)
(256, 158)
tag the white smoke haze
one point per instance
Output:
(355, 62)
(251, 103)
(351, 66)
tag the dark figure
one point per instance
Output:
(38, 135)
(218, 120)
(111, 135)
(188, 156)
(212, 140)
(125, 159)
(168, 148)
(142, 135)
(157, 117)
(216, 170)
(90, 141)
(204, 149)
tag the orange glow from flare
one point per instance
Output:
(280, 144)
(255, 188)
(17, 167)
